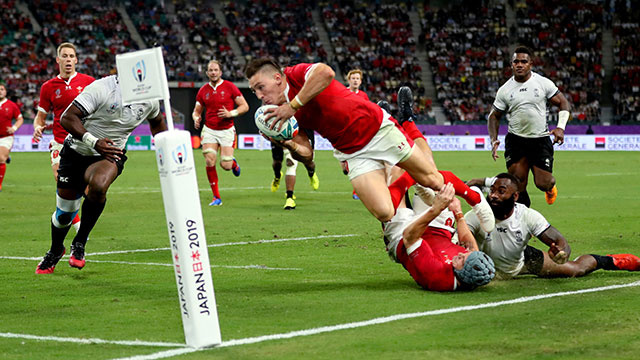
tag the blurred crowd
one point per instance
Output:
(467, 51)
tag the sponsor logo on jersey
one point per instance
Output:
(112, 108)
(58, 94)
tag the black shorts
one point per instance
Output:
(538, 151)
(533, 260)
(73, 167)
(277, 152)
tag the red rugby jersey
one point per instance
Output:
(56, 95)
(213, 99)
(339, 115)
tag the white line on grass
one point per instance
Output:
(261, 267)
(376, 321)
(89, 341)
(228, 244)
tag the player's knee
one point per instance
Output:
(66, 210)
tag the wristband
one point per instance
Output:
(233, 113)
(294, 101)
(494, 142)
(563, 118)
(89, 139)
(14, 128)
(459, 216)
(489, 181)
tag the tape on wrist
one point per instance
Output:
(459, 216)
(14, 128)
(233, 113)
(296, 103)
(563, 118)
(89, 139)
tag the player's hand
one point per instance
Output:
(278, 116)
(558, 136)
(559, 256)
(106, 148)
(494, 150)
(196, 121)
(224, 113)
(475, 182)
(10, 130)
(37, 133)
(455, 206)
(444, 197)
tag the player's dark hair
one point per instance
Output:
(523, 50)
(256, 65)
(514, 180)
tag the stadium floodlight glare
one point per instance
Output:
(143, 77)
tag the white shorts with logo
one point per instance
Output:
(223, 137)
(54, 149)
(389, 145)
(7, 142)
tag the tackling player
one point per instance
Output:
(8, 111)
(516, 224)
(92, 158)
(55, 95)
(362, 134)
(527, 144)
(421, 242)
(219, 97)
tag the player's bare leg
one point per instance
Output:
(227, 161)
(372, 189)
(545, 181)
(4, 156)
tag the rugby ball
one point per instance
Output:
(289, 128)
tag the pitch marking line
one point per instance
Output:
(376, 321)
(264, 241)
(260, 267)
(89, 341)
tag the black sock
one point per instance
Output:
(311, 168)
(90, 213)
(604, 262)
(57, 238)
(289, 194)
(523, 198)
(407, 201)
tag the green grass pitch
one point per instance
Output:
(339, 274)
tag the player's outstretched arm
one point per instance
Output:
(559, 249)
(465, 237)
(493, 126)
(414, 231)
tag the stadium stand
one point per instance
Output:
(467, 52)
(283, 30)
(378, 39)
(567, 41)
(23, 57)
(626, 75)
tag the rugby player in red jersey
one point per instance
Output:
(8, 112)
(219, 97)
(55, 95)
(363, 135)
(354, 77)
(420, 240)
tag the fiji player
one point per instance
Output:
(92, 158)
(527, 144)
(362, 134)
(56, 95)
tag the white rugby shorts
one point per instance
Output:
(223, 137)
(54, 149)
(7, 142)
(389, 145)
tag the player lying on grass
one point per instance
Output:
(421, 242)
(362, 134)
(516, 224)
(92, 158)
